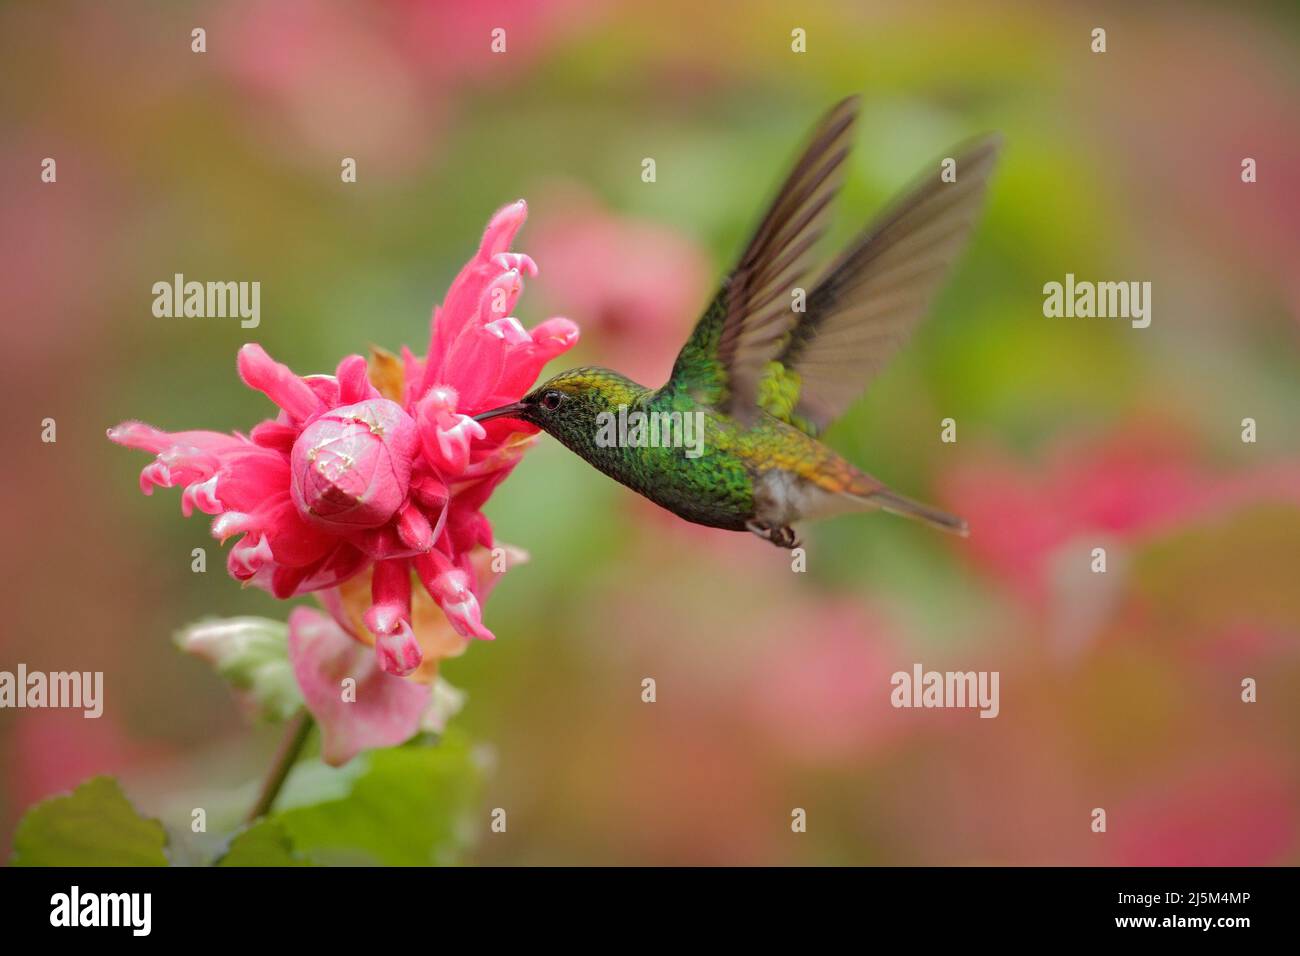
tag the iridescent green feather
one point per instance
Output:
(698, 371)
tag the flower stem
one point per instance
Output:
(286, 756)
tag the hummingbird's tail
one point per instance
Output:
(896, 504)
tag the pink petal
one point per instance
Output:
(523, 364)
(473, 365)
(460, 307)
(384, 544)
(414, 528)
(386, 711)
(250, 476)
(178, 465)
(430, 492)
(500, 296)
(354, 381)
(446, 435)
(389, 618)
(261, 372)
(398, 652)
(286, 582)
(450, 588)
(201, 495)
(274, 435)
(293, 542)
(325, 387)
(501, 229)
(338, 566)
(147, 438)
(516, 261)
(250, 555)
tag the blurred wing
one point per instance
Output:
(870, 299)
(751, 317)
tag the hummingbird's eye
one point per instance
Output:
(551, 400)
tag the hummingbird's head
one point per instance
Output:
(570, 404)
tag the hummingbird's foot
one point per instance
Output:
(785, 537)
(782, 537)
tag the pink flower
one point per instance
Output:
(1121, 489)
(381, 711)
(377, 473)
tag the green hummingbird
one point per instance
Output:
(772, 362)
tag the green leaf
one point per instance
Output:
(263, 844)
(404, 806)
(95, 825)
(252, 653)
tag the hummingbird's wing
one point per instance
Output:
(751, 317)
(869, 300)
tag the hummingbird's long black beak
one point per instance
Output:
(513, 410)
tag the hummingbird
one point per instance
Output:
(775, 358)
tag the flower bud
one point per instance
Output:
(352, 466)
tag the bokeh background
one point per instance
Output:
(1119, 690)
